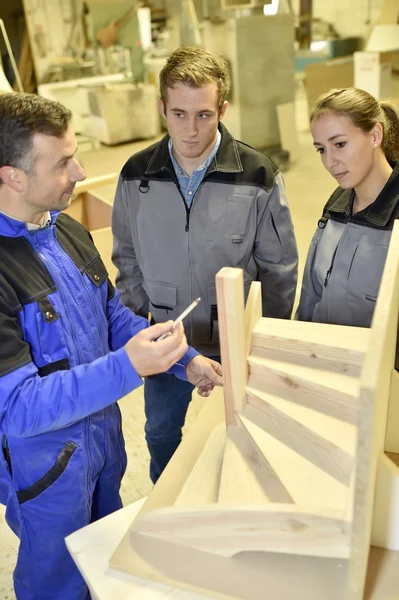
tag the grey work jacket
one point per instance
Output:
(346, 258)
(167, 254)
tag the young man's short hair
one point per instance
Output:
(196, 68)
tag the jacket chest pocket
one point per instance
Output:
(237, 214)
(366, 269)
(163, 299)
(95, 274)
(96, 271)
(43, 330)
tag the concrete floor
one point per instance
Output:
(308, 188)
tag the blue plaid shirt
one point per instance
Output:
(189, 185)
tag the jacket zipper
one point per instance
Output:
(188, 210)
(92, 300)
(329, 270)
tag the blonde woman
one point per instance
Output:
(358, 141)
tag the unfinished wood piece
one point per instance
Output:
(246, 575)
(197, 553)
(247, 475)
(92, 211)
(328, 346)
(230, 299)
(385, 528)
(227, 531)
(335, 394)
(374, 394)
(338, 432)
(202, 484)
(305, 482)
(322, 453)
(95, 182)
(172, 480)
(253, 313)
(349, 507)
(392, 431)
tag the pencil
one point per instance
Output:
(181, 317)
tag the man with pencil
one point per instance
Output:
(69, 350)
(187, 206)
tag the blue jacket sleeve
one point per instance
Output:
(30, 404)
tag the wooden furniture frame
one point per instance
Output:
(282, 495)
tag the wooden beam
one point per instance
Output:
(94, 182)
(230, 300)
(247, 476)
(228, 531)
(374, 393)
(335, 394)
(202, 484)
(311, 446)
(253, 313)
(385, 529)
(392, 431)
(334, 347)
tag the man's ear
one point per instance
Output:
(12, 177)
(223, 110)
(161, 108)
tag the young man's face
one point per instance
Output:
(192, 116)
(56, 172)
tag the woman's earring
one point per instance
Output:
(375, 145)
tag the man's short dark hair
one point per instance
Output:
(23, 115)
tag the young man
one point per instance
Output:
(68, 351)
(195, 202)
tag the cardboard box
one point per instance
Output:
(373, 73)
(324, 76)
(95, 213)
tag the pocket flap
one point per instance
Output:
(161, 294)
(96, 272)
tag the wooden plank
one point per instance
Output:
(324, 343)
(351, 497)
(374, 393)
(392, 431)
(253, 313)
(171, 482)
(230, 300)
(322, 453)
(385, 528)
(306, 483)
(238, 484)
(202, 484)
(227, 531)
(341, 434)
(94, 182)
(334, 394)
(247, 477)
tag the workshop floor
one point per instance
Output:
(308, 188)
